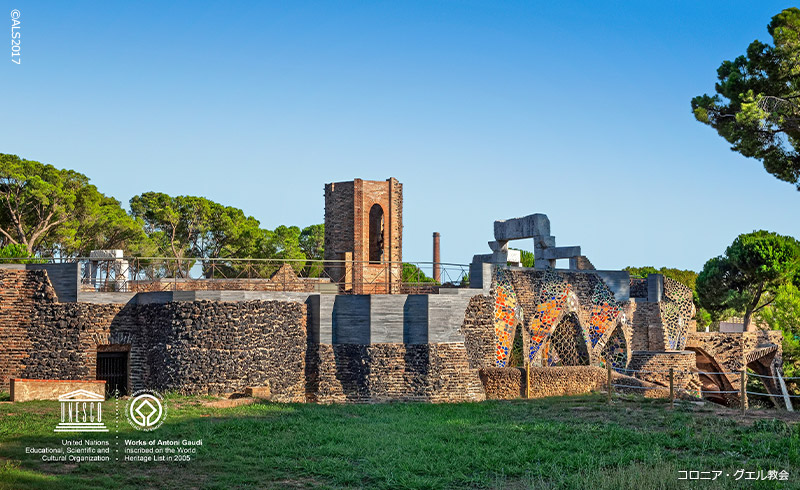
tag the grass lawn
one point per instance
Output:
(570, 442)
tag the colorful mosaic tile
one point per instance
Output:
(559, 330)
(615, 350)
(604, 313)
(505, 317)
(677, 310)
(552, 301)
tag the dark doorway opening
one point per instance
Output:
(376, 234)
(112, 367)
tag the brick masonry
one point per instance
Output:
(347, 210)
(655, 368)
(729, 353)
(20, 291)
(510, 383)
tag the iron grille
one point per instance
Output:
(112, 367)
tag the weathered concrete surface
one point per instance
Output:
(382, 319)
(525, 227)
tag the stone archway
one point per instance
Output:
(567, 344)
(615, 348)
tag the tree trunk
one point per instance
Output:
(748, 323)
(748, 313)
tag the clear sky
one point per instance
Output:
(483, 110)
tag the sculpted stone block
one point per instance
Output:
(525, 227)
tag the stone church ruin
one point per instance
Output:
(360, 333)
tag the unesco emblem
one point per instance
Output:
(146, 410)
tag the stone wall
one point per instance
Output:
(509, 383)
(215, 347)
(20, 292)
(638, 287)
(390, 372)
(478, 332)
(190, 347)
(655, 368)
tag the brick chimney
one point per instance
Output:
(437, 272)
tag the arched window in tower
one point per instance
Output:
(376, 233)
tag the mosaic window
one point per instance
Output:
(605, 311)
(506, 314)
(615, 350)
(677, 310)
(552, 300)
(567, 346)
(562, 326)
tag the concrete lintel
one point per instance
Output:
(561, 252)
(525, 227)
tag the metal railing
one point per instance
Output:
(133, 274)
(740, 395)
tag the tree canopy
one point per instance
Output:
(748, 276)
(784, 315)
(190, 226)
(58, 212)
(685, 277)
(757, 104)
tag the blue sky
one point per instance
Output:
(483, 110)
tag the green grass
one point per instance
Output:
(571, 443)
(5, 396)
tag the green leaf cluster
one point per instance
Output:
(784, 315)
(756, 107)
(748, 277)
(16, 254)
(58, 212)
(414, 275)
(197, 227)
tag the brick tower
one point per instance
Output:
(364, 234)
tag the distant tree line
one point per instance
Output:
(45, 211)
(49, 212)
